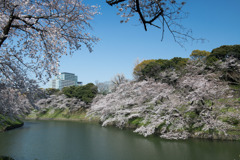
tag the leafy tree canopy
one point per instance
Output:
(199, 54)
(51, 91)
(137, 71)
(86, 93)
(152, 69)
(223, 52)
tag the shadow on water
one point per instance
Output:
(5, 158)
(63, 140)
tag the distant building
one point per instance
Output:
(65, 79)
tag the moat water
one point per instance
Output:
(65, 140)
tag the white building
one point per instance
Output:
(64, 80)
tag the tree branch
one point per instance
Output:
(140, 14)
(7, 28)
(113, 2)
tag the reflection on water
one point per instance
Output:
(55, 140)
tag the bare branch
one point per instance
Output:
(113, 2)
(156, 14)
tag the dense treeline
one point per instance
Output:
(153, 68)
(223, 52)
(195, 97)
(50, 91)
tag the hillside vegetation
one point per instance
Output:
(179, 98)
(175, 99)
(7, 122)
(68, 104)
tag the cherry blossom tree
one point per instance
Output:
(34, 34)
(117, 80)
(162, 14)
(172, 110)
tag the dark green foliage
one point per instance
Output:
(86, 93)
(7, 122)
(136, 121)
(69, 91)
(161, 125)
(223, 52)
(191, 115)
(178, 62)
(153, 69)
(231, 120)
(137, 71)
(197, 129)
(211, 60)
(230, 73)
(51, 91)
(226, 51)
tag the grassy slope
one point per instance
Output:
(7, 123)
(60, 114)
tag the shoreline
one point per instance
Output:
(62, 119)
(9, 123)
(209, 137)
(14, 126)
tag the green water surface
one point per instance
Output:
(61, 140)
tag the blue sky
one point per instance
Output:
(217, 21)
